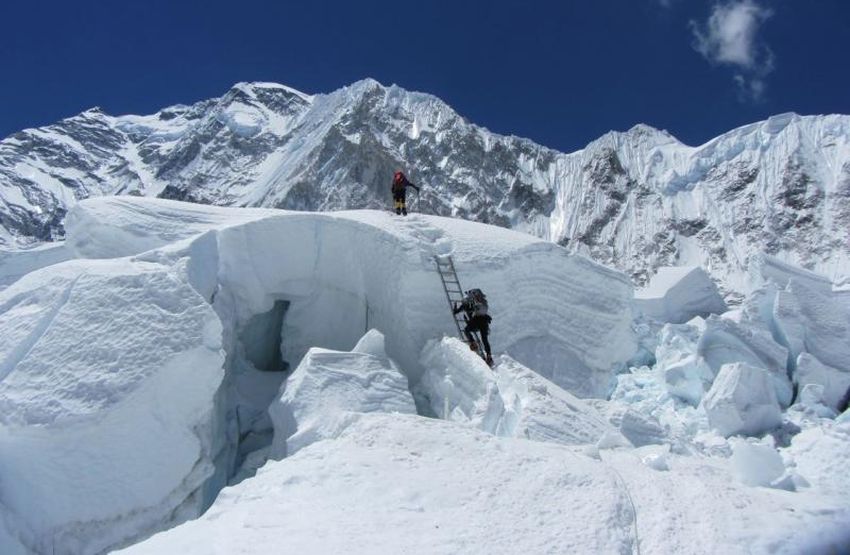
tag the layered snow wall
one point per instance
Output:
(343, 273)
(136, 377)
(677, 294)
(108, 375)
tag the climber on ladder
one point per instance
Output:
(473, 303)
(475, 307)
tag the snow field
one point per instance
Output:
(243, 120)
(407, 484)
(399, 483)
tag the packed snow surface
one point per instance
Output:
(320, 397)
(406, 484)
(154, 368)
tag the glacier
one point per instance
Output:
(178, 376)
(195, 292)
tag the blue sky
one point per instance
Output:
(558, 72)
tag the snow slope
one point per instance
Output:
(405, 484)
(157, 350)
(136, 379)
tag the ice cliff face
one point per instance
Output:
(635, 200)
(135, 376)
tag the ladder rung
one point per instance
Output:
(452, 288)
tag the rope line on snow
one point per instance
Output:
(629, 497)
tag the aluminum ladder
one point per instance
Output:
(454, 294)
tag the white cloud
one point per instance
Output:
(729, 37)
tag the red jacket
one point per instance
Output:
(400, 182)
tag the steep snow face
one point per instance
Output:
(108, 371)
(635, 200)
(777, 186)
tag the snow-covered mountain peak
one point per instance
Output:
(778, 122)
(640, 134)
(94, 111)
(635, 199)
(366, 84)
(271, 94)
(255, 86)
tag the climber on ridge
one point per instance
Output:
(399, 188)
(475, 306)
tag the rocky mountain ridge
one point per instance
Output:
(634, 200)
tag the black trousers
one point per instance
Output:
(482, 326)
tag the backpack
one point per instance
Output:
(478, 302)
(399, 182)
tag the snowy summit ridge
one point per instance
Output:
(634, 200)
